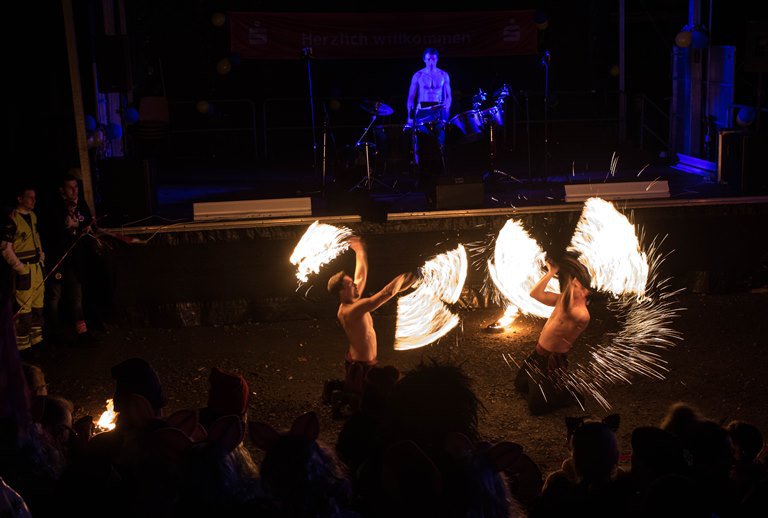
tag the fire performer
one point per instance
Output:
(539, 375)
(355, 314)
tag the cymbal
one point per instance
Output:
(376, 108)
(501, 93)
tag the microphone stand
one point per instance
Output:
(306, 53)
(545, 61)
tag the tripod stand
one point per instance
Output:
(492, 118)
(368, 180)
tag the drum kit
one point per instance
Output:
(471, 124)
(466, 127)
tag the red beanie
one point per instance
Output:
(228, 394)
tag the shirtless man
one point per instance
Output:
(537, 376)
(355, 315)
(430, 87)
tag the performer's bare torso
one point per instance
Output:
(431, 85)
(564, 326)
(360, 333)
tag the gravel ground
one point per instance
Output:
(719, 366)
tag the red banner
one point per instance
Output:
(381, 35)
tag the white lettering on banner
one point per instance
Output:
(345, 39)
(257, 35)
(512, 32)
(405, 39)
(341, 39)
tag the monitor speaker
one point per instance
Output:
(459, 192)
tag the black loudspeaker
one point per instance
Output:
(125, 190)
(459, 192)
(741, 161)
(756, 54)
(358, 201)
(113, 64)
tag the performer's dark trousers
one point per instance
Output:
(69, 289)
(355, 373)
(536, 379)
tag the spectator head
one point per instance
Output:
(656, 452)
(595, 452)
(747, 440)
(680, 419)
(54, 413)
(35, 380)
(136, 376)
(228, 395)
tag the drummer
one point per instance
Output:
(429, 106)
(430, 86)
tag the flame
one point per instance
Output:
(107, 420)
(509, 316)
(319, 245)
(518, 264)
(506, 320)
(422, 316)
(609, 248)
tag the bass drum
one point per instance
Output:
(468, 126)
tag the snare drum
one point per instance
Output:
(469, 125)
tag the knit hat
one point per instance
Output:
(228, 394)
(136, 376)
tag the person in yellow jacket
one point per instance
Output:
(21, 248)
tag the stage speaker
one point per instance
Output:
(756, 55)
(343, 202)
(125, 191)
(741, 156)
(459, 192)
(113, 63)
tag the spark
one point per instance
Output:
(653, 183)
(497, 171)
(643, 169)
(612, 167)
(319, 245)
(422, 316)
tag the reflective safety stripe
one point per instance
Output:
(36, 335)
(23, 342)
